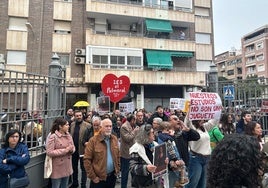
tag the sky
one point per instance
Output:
(235, 18)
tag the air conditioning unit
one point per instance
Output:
(80, 52)
(79, 60)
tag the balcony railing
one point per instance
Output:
(164, 6)
(138, 67)
(118, 33)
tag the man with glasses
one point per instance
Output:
(183, 135)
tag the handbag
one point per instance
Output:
(18, 182)
(48, 167)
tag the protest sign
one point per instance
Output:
(204, 105)
(177, 103)
(103, 105)
(126, 108)
(160, 155)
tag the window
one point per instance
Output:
(62, 27)
(17, 24)
(239, 70)
(203, 65)
(250, 59)
(133, 62)
(16, 58)
(186, 4)
(64, 59)
(115, 58)
(100, 61)
(201, 11)
(259, 45)
(202, 38)
(260, 57)
(261, 68)
(230, 72)
(250, 48)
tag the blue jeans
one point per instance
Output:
(197, 171)
(60, 182)
(124, 163)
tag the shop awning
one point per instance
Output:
(159, 59)
(182, 54)
(158, 25)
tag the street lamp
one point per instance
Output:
(213, 78)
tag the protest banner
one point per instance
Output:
(160, 155)
(126, 108)
(103, 105)
(204, 105)
(177, 103)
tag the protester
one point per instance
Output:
(141, 162)
(183, 134)
(13, 157)
(235, 162)
(254, 129)
(214, 132)
(101, 157)
(70, 116)
(128, 132)
(140, 118)
(177, 172)
(245, 118)
(200, 151)
(92, 130)
(226, 124)
(77, 130)
(159, 112)
(60, 147)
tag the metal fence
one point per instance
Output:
(30, 102)
(250, 94)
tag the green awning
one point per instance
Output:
(182, 54)
(158, 25)
(159, 59)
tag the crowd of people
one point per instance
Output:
(199, 153)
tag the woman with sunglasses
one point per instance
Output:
(141, 161)
(13, 158)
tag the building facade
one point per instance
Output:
(229, 65)
(254, 49)
(164, 47)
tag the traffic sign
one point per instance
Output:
(229, 92)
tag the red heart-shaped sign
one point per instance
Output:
(114, 87)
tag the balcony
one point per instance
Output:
(136, 40)
(137, 10)
(148, 77)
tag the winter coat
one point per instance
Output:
(95, 157)
(61, 157)
(17, 158)
(141, 156)
(83, 127)
(127, 135)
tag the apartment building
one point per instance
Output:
(255, 54)
(229, 65)
(164, 47)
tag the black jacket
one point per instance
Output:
(182, 139)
